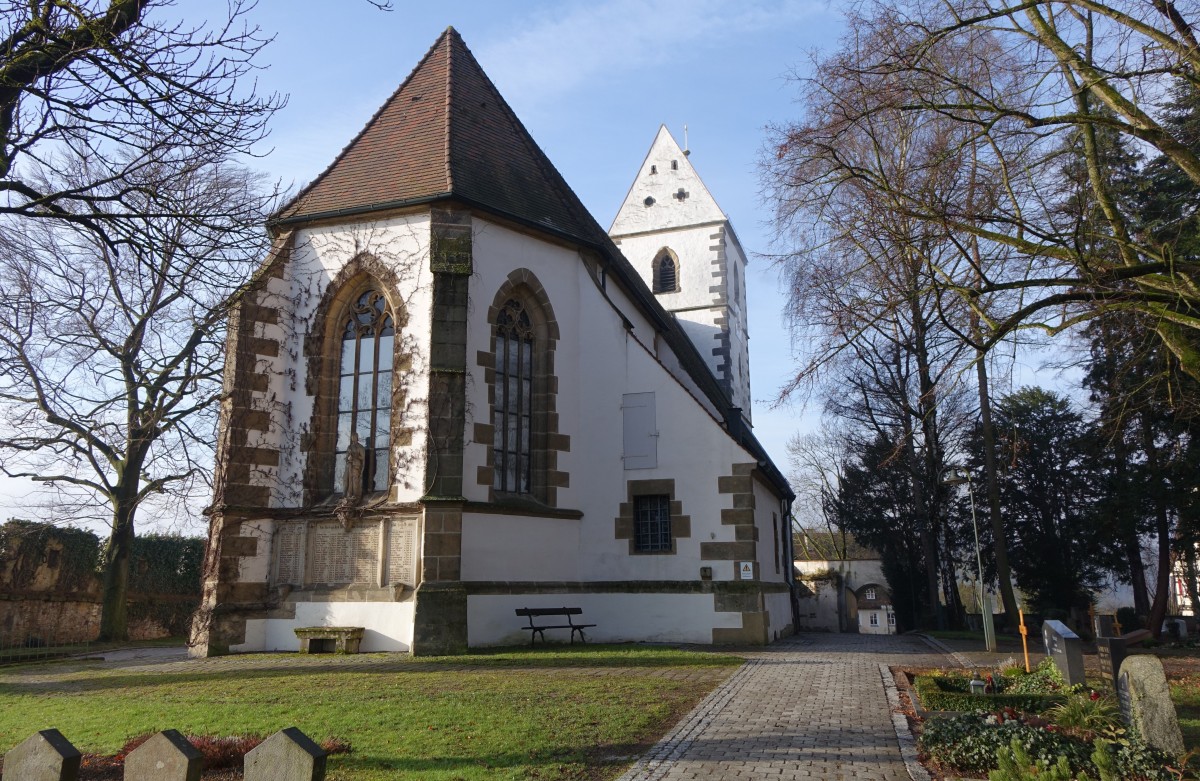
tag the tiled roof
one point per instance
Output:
(446, 132)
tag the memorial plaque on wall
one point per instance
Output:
(327, 554)
(402, 551)
(289, 562)
(364, 554)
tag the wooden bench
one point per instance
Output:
(541, 612)
(329, 639)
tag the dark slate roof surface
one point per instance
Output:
(446, 132)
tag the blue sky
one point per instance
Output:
(592, 81)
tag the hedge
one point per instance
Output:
(951, 693)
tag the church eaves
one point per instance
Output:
(446, 133)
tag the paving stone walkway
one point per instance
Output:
(810, 707)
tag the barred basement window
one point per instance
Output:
(652, 523)
(365, 391)
(666, 272)
(512, 413)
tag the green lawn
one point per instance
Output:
(565, 712)
(1185, 693)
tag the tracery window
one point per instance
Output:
(364, 411)
(512, 413)
(666, 273)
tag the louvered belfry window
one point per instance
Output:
(365, 390)
(512, 412)
(665, 274)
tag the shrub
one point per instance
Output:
(969, 743)
(1013, 763)
(1087, 714)
(1044, 679)
(952, 693)
(974, 744)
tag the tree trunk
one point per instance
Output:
(1162, 527)
(1137, 574)
(999, 536)
(114, 618)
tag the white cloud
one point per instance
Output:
(580, 42)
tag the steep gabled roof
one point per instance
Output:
(446, 133)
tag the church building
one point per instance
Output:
(452, 395)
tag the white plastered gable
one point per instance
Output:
(667, 193)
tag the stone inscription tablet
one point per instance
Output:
(327, 563)
(402, 558)
(289, 567)
(363, 555)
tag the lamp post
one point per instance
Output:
(985, 599)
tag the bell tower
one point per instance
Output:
(674, 233)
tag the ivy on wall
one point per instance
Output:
(162, 564)
(28, 546)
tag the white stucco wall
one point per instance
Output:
(510, 547)
(693, 448)
(678, 618)
(388, 625)
(401, 244)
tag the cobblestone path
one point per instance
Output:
(810, 707)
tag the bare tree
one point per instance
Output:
(889, 303)
(1034, 81)
(123, 84)
(111, 361)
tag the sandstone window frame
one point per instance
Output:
(545, 441)
(665, 272)
(323, 350)
(625, 526)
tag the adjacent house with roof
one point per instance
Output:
(451, 395)
(840, 585)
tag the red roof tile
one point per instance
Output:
(447, 132)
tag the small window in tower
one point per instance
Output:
(674, 165)
(649, 200)
(666, 273)
(653, 169)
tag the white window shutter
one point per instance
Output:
(640, 430)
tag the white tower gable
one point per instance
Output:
(667, 193)
(681, 243)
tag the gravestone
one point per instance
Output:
(165, 757)
(1065, 648)
(1145, 701)
(1111, 651)
(288, 755)
(1104, 625)
(43, 756)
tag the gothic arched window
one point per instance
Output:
(512, 413)
(666, 273)
(364, 410)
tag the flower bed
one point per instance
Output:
(974, 743)
(952, 693)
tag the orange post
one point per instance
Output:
(1024, 637)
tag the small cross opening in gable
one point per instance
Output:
(681, 195)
